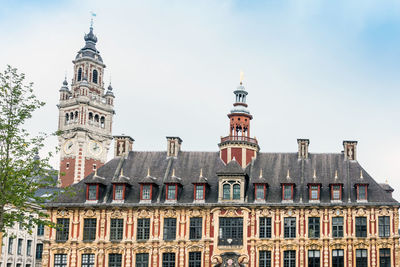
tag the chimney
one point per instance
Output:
(350, 150)
(173, 146)
(122, 145)
(303, 148)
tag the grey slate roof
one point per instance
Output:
(277, 169)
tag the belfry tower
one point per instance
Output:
(85, 116)
(238, 144)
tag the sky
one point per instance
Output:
(323, 70)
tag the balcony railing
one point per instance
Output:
(239, 138)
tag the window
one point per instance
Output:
(79, 74)
(361, 226)
(313, 227)
(337, 258)
(114, 260)
(265, 227)
(116, 229)
(287, 192)
(169, 228)
(314, 192)
(119, 191)
(87, 260)
(231, 190)
(40, 229)
(194, 259)
(92, 192)
(10, 245)
(199, 192)
(314, 258)
(289, 258)
(39, 251)
(260, 192)
(236, 191)
(384, 257)
(168, 260)
(143, 229)
(62, 229)
(230, 231)
(226, 191)
(171, 192)
(337, 226)
(29, 247)
(265, 258)
(290, 227)
(146, 192)
(19, 247)
(336, 192)
(361, 258)
(142, 260)
(60, 260)
(95, 76)
(384, 226)
(361, 192)
(89, 229)
(195, 228)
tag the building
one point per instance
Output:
(233, 207)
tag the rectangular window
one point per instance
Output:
(116, 229)
(314, 192)
(142, 260)
(384, 226)
(289, 227)
(337, 227)
(362, 192)
(287, 192)
(146, 192)
(337, 258)
(314, 258)
(199, 192)
(361, 258)
(114, 260)
(60, 260)
(40, 230)
(39, 251)
(289, 258)
(10, 245)
(62, 229)
(336, 192)
(195, 228)
(168, 260)
(92, 192)
(194, 259)
(19, 247)
(87, 260)
(230, 231)
(260, 192)
(313, 227)
(89, 229)
(265, 258)
(171, 192)
(265, 227)
(119, 192)
(361, 226)
(29, 247)
(143, 229)
(169, 228)
(384, 257)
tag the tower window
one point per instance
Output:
(67, 165)
(66, 118)
(90, 116)
(95, 76)
(79, 74)
(94, 167)
(76, 115)
(102, 122)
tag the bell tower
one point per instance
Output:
(85, 116)
(238, 144)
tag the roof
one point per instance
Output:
(276, 168)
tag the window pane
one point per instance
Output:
(171, 192)
(337, 226)
(361, 226)
(168, 260)
(236, 191)
(260, 192)
(361, 258)
(87, 260)
(313, 227)
(337, 258)
(169, 228)
(114, 260)
(290, 227)
(287, 192)
(194, 259)
(226, 191)
(145, 192)
(62, 229)
(265, 259)
(289, 258)
(89, 229)
(362, 192)
(230, 231)
(143, 229)
(384, 226)
(60, 260)
(142, 260)
(265, 227)
(384, 257)
(119, 189)
(195, 228)
(116, 229)
(199, 192)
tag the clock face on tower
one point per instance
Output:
(95, 148)
(69, 147)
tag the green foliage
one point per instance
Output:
(22, 172)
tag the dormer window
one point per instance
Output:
(92, 192)
(287, 192)
(119, 191)
(362, 192)
(199, 191)
(171, 191)
(145, 192)
(231, 190)
(260, 190)
(336, 192)
(314, 191)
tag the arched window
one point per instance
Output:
(79, 74)
(71, 116)
(90, 116)
(95, 75)
(96, 120)
(66, 118)
(102, 122)
(236, 191)
(76, 115)
(226, 194)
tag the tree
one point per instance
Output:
(22, 172)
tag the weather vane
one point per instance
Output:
(91, 20)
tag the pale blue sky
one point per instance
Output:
(324, 70)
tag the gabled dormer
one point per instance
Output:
(287, 187)
(260, 188)
(120, 185)
(172, 185)
(231, 183)
(148, 187)
(314, 188)
(95, 185)
(199, 188)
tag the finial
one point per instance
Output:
(173, 172)
(336, 175)
(260, 173)
(201, 172)
(288, 174)
(91, 19)
(241, 77)
(95, 172)
(386, 181)
(361, 174)
(315, 174)
(148, 171)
